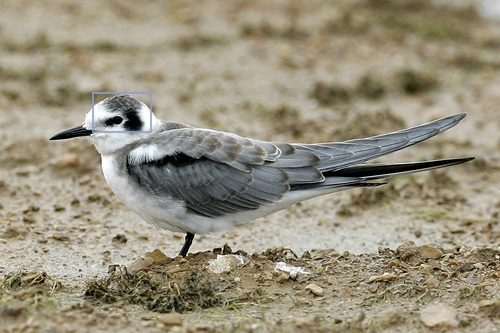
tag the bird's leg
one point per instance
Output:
(188, 240)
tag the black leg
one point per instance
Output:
(188, 240)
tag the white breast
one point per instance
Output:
(164, 213)
(170, 214)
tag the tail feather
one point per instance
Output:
(338, 155)
(361, 175)
(379, 170)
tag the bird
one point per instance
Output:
(199, 181)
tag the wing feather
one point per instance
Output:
(337, 155)
(217, 173)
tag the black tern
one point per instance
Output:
(199, 181)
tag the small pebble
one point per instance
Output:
(373, 287)
(42, 240)
(171, 319)
(432, 282)
(283, 277)
(386, 320)
(140, 264)
(59, 236)
(434, 264)
(382, 278)
(158, 256)
(426, 269)
(430, 251)
(439, 315)
(478, 265)
(59, 208)
(408, 253)
(466, 267)
(490, 307)
(483, 254)
(315, 289)
(224, 263)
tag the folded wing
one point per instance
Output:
(217, 173)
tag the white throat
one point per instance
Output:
(109, 143)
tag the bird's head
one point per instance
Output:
(114, 123)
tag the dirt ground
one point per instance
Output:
(419, 254)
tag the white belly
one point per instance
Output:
(171, 214)
(164, 213)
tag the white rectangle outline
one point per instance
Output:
(125, 93)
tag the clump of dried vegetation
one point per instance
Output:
(158, 291)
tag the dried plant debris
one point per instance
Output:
(199, 41)
(268, 30)
(408, 80)
(370, 87)
(408, 274)
(27, 289)
(418, 17)
(416, 275)
(14, 282)
(187, 284)
(328, 94)
(414, 82)
(158, 291)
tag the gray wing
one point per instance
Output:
(338, 155)
(216, 173)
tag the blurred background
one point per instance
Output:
(274, 70)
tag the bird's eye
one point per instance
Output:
(114, 121)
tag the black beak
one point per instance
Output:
(72, 133)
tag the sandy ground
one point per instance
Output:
(285, 71)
